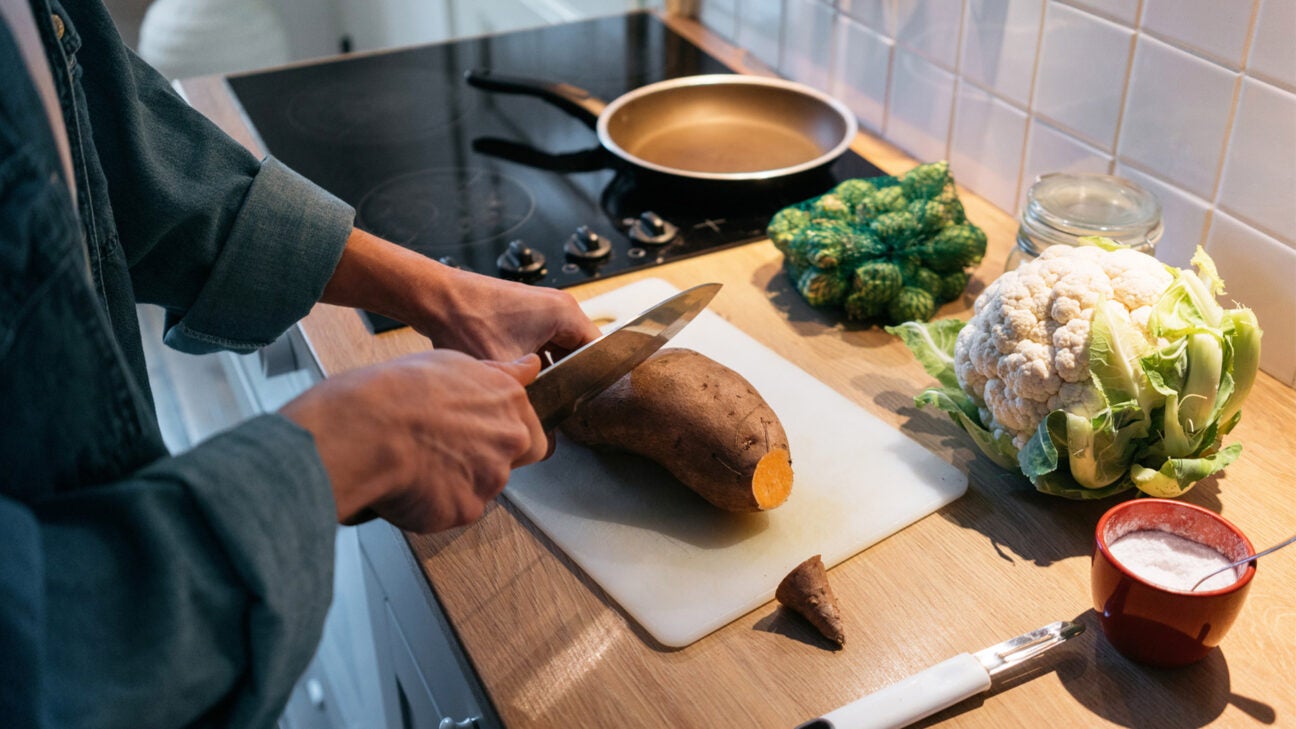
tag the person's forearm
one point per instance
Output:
(378, 276)
(483, 316)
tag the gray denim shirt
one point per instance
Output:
(137, 588)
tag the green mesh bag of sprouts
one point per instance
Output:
(884, 250)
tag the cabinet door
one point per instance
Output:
(416, 708)
(421, 650)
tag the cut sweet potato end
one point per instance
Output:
(805, 590)
(772, 481)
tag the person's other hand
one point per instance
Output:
(485, 317)
(424, 441)
(498, 319)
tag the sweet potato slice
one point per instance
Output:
(700, 420)
(806, 591)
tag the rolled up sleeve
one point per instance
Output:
(280, 251)
(235, 249)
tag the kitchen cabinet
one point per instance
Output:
(551, 649)
(425, 677)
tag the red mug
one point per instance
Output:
(1156, 625)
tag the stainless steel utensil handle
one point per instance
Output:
(1244, 560)
(910, 699)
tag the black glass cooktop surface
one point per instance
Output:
(459, 174)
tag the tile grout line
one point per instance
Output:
(1031, 116)
(958, 78)
(1229, 125)
(1125, 88)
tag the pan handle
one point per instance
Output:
(586, 160)
(575, 101)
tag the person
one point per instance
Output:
(145, 589)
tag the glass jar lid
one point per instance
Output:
(1062, 207)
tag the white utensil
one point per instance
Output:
(944, 684)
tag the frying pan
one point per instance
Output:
(721, 127)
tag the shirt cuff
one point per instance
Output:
(265, 491)
(281, 251)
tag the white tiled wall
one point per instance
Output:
(1194, 99)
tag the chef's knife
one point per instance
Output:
(944, 684)
(560, 388)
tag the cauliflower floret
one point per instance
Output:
(1027, 372)
(1016, 414)
(1080, 398)
(1025, 351)
(1071, 350)
(1138, 280)
(969, 377)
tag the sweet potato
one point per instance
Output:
(806, 591)
(700, 420)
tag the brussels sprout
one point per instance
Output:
(785, 225)
(820, 287)
(912, 304)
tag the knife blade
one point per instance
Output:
(944, 684)
(562, 387)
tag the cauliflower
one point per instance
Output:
(881, 248)
(1095, 369)
(1025, 352)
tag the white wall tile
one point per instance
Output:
(1082, 67)
(1052, 150)
(1122, 11)
(873, 13)
(1258, 272)
(808, 43)
(1000, 39)
(759, 29)
(1177, 115)
(922, 96)
(1273, 54)
(863, 68)
(720, 16)
(929, 27)
(1183, 214)
(987, 144)
(1259, 181)
(1217, 28)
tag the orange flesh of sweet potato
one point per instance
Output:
(700, 420)
(806, 591)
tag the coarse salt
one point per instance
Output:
(1169, 560)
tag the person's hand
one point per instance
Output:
(485, 317)
(424, 441)
(497, 319)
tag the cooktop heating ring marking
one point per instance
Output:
(477, 204)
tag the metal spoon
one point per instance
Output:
(1244, 560)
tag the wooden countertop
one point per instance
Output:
(553, 651)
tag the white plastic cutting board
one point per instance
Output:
(683, 568)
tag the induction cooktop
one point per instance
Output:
(505, 185)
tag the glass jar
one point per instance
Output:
(1063, 207)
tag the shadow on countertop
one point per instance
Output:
(1125, 693)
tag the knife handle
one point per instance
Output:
(910, 699)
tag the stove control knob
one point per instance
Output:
(452, 262)
(586, 245)
(520, 261)
(651, 229)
